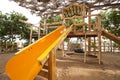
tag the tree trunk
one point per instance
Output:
(6, 46)
(0, 46)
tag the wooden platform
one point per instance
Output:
(82, 34)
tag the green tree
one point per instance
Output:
(11, 28)
(111, 21)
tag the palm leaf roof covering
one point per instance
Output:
(48, 8)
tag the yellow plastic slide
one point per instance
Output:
(27, 63)
(111, 36)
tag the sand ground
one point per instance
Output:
(73, 68)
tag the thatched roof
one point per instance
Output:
(47, 8)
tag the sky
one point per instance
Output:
(7, 6)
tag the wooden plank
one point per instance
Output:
(80, 24)
(53, 23)
(45, 67)
(43, 73)
(93, 15)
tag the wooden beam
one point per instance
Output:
(53, 23)
(106, 5)
(80, 24)
(93, 15)
(25, 22)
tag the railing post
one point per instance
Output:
(52, 65)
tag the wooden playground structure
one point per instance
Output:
(39, 58)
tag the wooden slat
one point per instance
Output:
(53, 23)
(80, 24)
(43, 73)
(45, 67)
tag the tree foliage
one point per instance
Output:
(52, 19)
(11, 28)
(111, 21)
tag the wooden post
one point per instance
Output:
(63, 52)
(99, 52)
(111, 50)
(104, 45)
(94, 46)
(46, 30)
(74, 22)
(45, 26)
(68, 46)
(99, 39)
(52, 65)
(85, 54)
(89, 27)
(31, 31)
(39, 31)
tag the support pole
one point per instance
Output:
(45, 26)
(94, 46)
(63, 52)
(89, 27)
(39, 31)
(52, 65)
(31, 30)
(99, 39)
(68, 46)
(46, 30)
(104, 46)
(85, 54)
(84, 30)
(99, 53)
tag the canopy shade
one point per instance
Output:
(51, 7)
